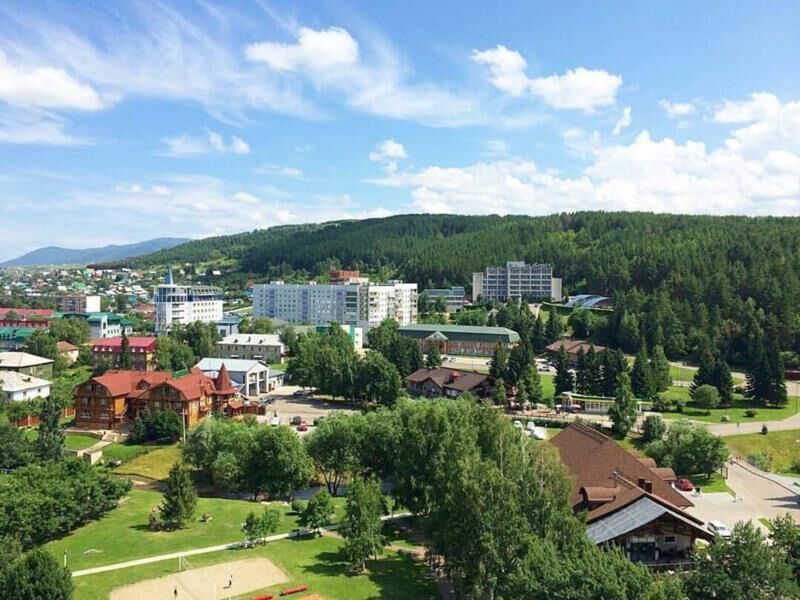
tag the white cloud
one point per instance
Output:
(273, 169)
(388, 149)
(21, 126)
(760, 106)
(495, 148)
(577, 89)
(623, 122)
(317, 51)
(767, 124)
(187, 145)
(646, 174)
(372, 78)
(507, 69)
(45, 87)
(677, 110)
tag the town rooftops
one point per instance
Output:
(252, 339)
(124, 383)
(66, 347)
(21, 360)
(453, 379)
(572, 347)
(11, 381)
(461, 332)
(597, 461)
(114, 344)
(28, 313)
(233, 365)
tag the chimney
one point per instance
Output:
(641, 482)
(648, 486)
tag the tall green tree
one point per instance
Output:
(433, 359)
(532, 384)
(614, 364)
(498, 362)
(499, 397)
(705, 371)
(276, 463)
(582, 375)
(581, 320)
(555, 329)
(623, 412)
(50, 441)
(318, 512)
(34, 575)
(42, 343)
(539, 336)
(660, 369)
(377, 380)
(335, 446)
(563, 380)
(519, 359)
(642, 383)
(723, 381)
(125, 359)
(707, 397)
(594, 372)
(180, 498)
(362, 525)
(256, 527)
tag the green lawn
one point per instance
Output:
(681, 373)
(711, 485)
(72, 441)
(154, 464)
(782, 446)
(123, 534)
(548, 388)
(317, 563)
(127, 451)
(735, 413)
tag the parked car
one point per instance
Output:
(303, 426)
(685, 485)
(302, 393)
(275, 421)
(296, 420)
(719, 528)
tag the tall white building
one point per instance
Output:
(361, 305)
(516, 280)
(184, 304)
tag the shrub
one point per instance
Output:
(764, 430)
(159, 425)
(298, 506)
(724, 418)
(750, 413)
(679, 404)
(761, 460)
(653, 428)
(661, 404)
(795, 466)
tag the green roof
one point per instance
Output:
(469, 333)
(18, 334)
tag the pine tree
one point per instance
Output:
(594, 372)
(180, 498)
(641, 377)
(776, 383)
(539, 335)
(433, 359)
(520, 357)
(499, 397)
(705, 371)
(497, 366)
(722, 380)
(582, 382)
(50, 441)
(563, 381)
(623, 412)
(125, 360)
(555, 329)
(614, 364)
(533, 385)
(757, 386)
(660, 368)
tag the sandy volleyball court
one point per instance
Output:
(206, 583)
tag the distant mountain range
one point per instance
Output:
(53, 255)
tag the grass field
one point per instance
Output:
(127, 451)
(154, 464)
(318, 563)
(123, 534)
(735, 413)
(681, 373)
(72, 441)
(782, 446)
(711, 485)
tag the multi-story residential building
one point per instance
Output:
(253, 346)
(35, 318)
(516, 280)
(27, 364)
(18, 386)
(453, 297)
(362, 305)
(15, 338)
(77, 303)
(185, 304)
(117, 397)
(142, 351)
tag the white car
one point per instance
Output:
(719, 528)
(275, 421)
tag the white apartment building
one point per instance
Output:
(361, 305)
(516, 280)
(185, 304)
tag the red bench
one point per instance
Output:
(294, 590)
(265, 597)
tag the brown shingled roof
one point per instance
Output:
(445, 378)
(595, 460)
(123, 383)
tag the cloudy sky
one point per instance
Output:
(123, 121)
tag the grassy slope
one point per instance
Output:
(317, 563)
(735, 413)
(154, 464)
(123, 534)
(783, 446)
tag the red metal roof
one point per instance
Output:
(114, 344)
(44, 313)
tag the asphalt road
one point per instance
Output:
(286, 406)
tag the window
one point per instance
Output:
(669, 539)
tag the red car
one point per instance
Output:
(685, 485)
(303, 426)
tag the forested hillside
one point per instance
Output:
(673, 275)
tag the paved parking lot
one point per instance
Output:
(757, 497)
(286, 406)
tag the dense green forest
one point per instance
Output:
(686, 278)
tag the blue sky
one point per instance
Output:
(124, 121)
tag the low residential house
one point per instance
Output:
(19, 386)
(461, 339)
(450, 383)
(28, 364)
(252, 346)
(15, 338)
(252, 378)
(228, 325)
(115, 398)
(68, 351)
(572, 348)
(629, 502)
(142, 351)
